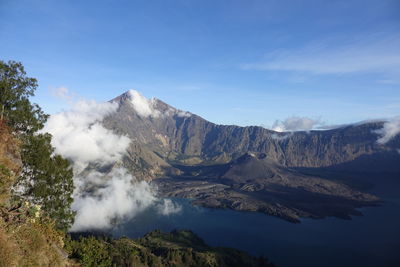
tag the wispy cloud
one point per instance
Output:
(388, 81)
(61, 92)
(295, 124)
(390, 129)
(168, 207)
(369, 54)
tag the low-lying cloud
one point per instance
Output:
(293, 124)
(390, 129)
(101, 198)
(117, 197)
(168, 207)
(79, 135)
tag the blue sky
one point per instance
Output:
(231, 62)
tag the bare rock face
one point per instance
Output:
(249, 168)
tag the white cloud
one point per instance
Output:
(390, 129)
(118, 198)
(180, 113)
(101, 199)
(367, 54)
(79, 135)
(61, 93)
(184, 114)
(143, 106)
(168, 207)
(295, 124)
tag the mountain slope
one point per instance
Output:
(249, 168)
(167, 135)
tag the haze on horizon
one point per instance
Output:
(231, 62)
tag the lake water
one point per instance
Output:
(369, 240)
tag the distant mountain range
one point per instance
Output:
(249, 168)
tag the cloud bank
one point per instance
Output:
(117, 197)
(79, 135)
(293, 124)
(390, 129)
(101, 198)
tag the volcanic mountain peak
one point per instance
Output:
(145, 107)
(179, 137)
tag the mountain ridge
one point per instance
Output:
(185, 138)
(249, 168)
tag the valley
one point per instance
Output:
(253, 183)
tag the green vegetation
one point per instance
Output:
(33, 221)
(46, 178)
(53, 183)
(15, 107)
(28, 237)
(178, 248)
